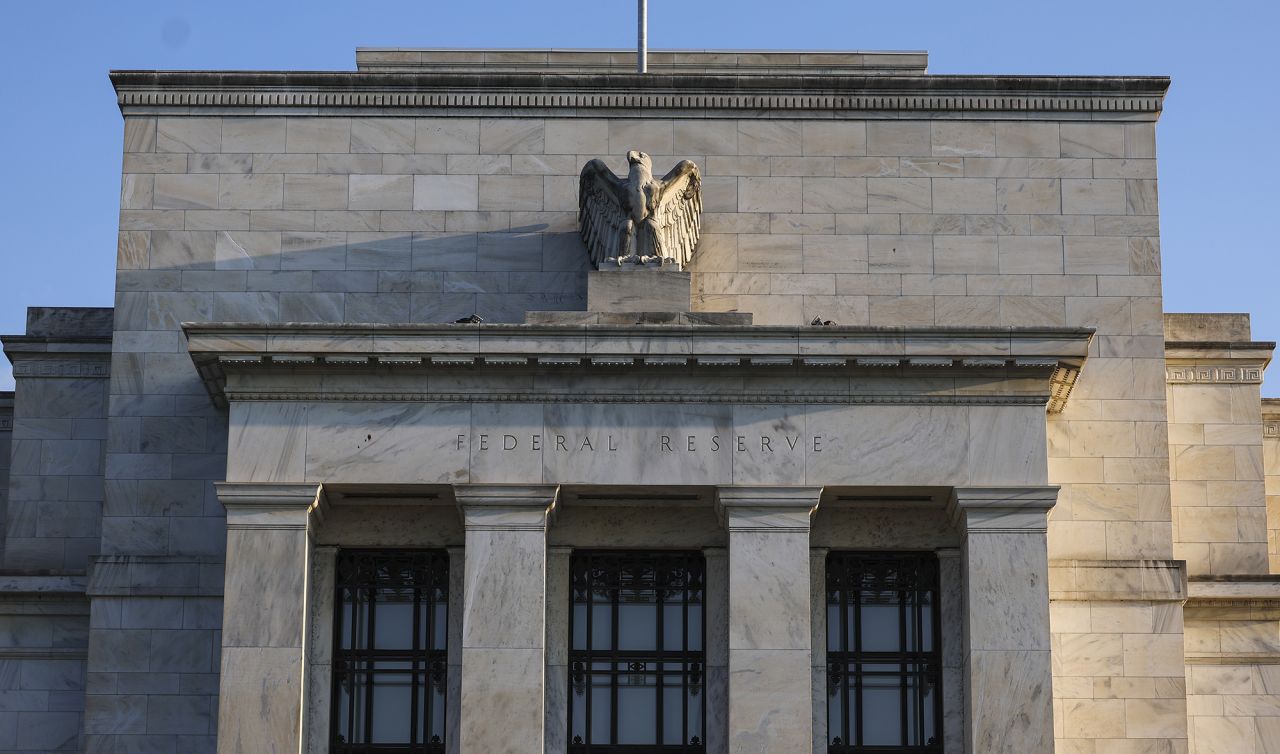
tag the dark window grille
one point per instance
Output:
(636, 660)
(390, 652)
(883, 662)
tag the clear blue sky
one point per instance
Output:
(1217, 139)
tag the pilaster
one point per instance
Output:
(264, 679)
(504, 617)
(557, 632)
(716, 595)
(319, 680)
(951, 606)
(1007, 671)
(770, 640)
(818, 641)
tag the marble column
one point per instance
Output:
(265, 620)
(504, 617)
(770, 657)
(1007, 673)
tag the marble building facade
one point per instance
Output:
(287, 390)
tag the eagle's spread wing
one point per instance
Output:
(679, 213)
(602, 212)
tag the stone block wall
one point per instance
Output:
(877, 222)
(1216, 444)
(43, 637)
(54, 509)
(1233, 679)
(1271, 471)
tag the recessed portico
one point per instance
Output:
(727, 440)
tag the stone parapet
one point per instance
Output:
(386, 59)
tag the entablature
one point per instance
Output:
(1229, 362)
(639, 364)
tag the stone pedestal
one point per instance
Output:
(770, 658)
(504, 617)
(1008, 676)
(262, 687)
(638, 289)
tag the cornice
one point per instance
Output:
(1221, 362)
(303, 351)
(649, 95)
(38, 356)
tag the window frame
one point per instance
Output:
(434, 660)
(582, 662)
(842, 680)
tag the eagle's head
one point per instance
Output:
(636, 157)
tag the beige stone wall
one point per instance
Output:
(1216, 444)
(878, 222)
(1271, 472)
(1215, 447)
(1233, 703)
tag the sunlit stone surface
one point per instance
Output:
(922, 315)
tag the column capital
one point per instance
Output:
(263, 505)
(749, 496)
(749, 508)
(1002, 509)
(506, 495)
(509, 507)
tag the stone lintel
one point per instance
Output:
(1118, 580)
(1002, 509)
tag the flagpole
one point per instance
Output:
(642, 24)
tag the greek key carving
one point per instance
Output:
(61, 368)
(1210, 373)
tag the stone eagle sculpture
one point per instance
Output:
(640, 220)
